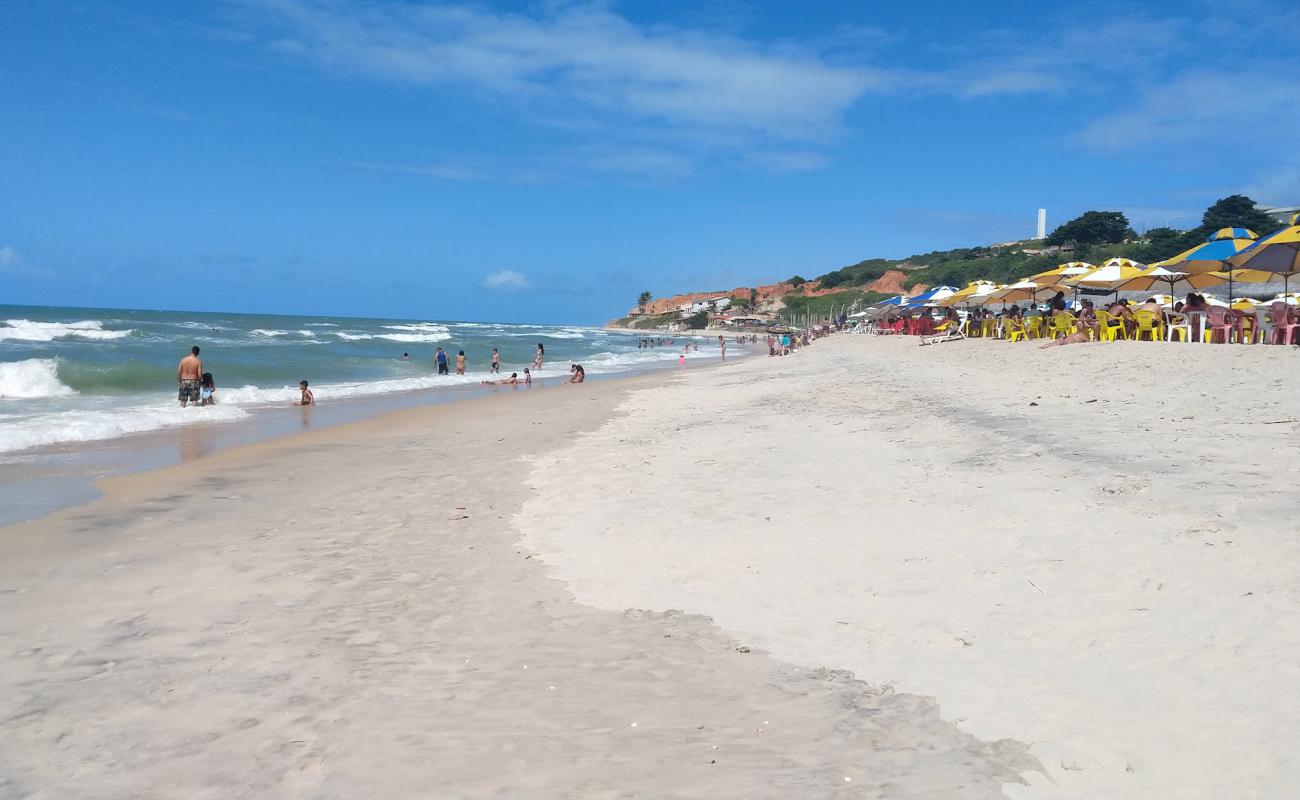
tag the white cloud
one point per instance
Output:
(578, 58)
(505, 280)
(9, 257)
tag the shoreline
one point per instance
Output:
(351, 610)
(41, 480)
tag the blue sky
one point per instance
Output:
(548, 161)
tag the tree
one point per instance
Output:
(753, 300)
(643, 300)
(1092, 228)
(1235, 211)
(797, 281)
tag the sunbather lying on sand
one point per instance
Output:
(1074, 338)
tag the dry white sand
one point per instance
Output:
(1094, 548)
(349, 614)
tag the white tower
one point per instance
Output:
(1042, 224)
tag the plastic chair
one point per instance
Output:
(1015, 330)
(1180, 327)
(1109, 327)
(1060, 326)
(1148, 322)
(1285, 330)
(1247, 328)
(988, 328)
(1034, 327)
(1218, 322)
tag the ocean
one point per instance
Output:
(91, 393)
(72, 375)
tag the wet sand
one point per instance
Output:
(350, 612)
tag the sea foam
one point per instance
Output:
(35, 377)
(25, 330)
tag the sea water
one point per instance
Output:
(70, 375)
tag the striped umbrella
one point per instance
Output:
(1072, 269)
(1111, 276)
(1023, 289)
(968, 294)
(1174, 282)
(1213, 255)
(1278, 253)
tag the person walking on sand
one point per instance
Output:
(460, 363)
(496, 362)
(441, 358)
(541, 354)
(189, 373)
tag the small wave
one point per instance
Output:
(419, 327)
(320, 324)
(35, 377)
(265, 332)
(67, 427)
(28, 331)
(410, 338)
(306, 333)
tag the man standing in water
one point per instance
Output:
(723, 344)
(188, 374)
(496, 361)
(441, 359)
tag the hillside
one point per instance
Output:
(1094, 237)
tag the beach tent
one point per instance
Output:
(1278, 254)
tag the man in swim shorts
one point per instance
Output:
(188, 374)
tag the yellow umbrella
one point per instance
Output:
(1070, 270)
(968, 294)
(1277, 253)
(1024, 289)
(1112, 276)
(1173, 282)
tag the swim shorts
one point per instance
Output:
(189, 392)
(442, 368)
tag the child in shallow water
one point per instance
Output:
(207, 390)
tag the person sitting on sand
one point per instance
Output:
(511, 381)
(579, 374)
(207, 390)
(307, 398)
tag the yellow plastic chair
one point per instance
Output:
(1110, 328)
(1034, 327)
(1060, 326)
(1015, 330)
(988, 328)
(1180, 330)
(1148, 322)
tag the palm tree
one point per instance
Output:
(643, 300)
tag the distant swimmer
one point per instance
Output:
(441, 358)
(579, 374)
(460, 363)
(406, 356)
(541, 354)
(511, 381)
(496, 362)
(307, 398)
(189, 373)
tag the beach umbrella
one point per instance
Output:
(1072, 269)
(1172, 281)
(1213, 254)
(931, 296)
(1278, 253)
(968, 293)
(1023, 289)
(1111, 276)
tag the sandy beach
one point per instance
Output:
(865, 570)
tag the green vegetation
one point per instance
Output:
(656, 321)
(643, 300)
(1096, 236)
(697, 321)
(797, 281)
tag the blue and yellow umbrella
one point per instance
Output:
(1213, 255)
(1278, 253)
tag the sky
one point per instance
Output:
(546, 162)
